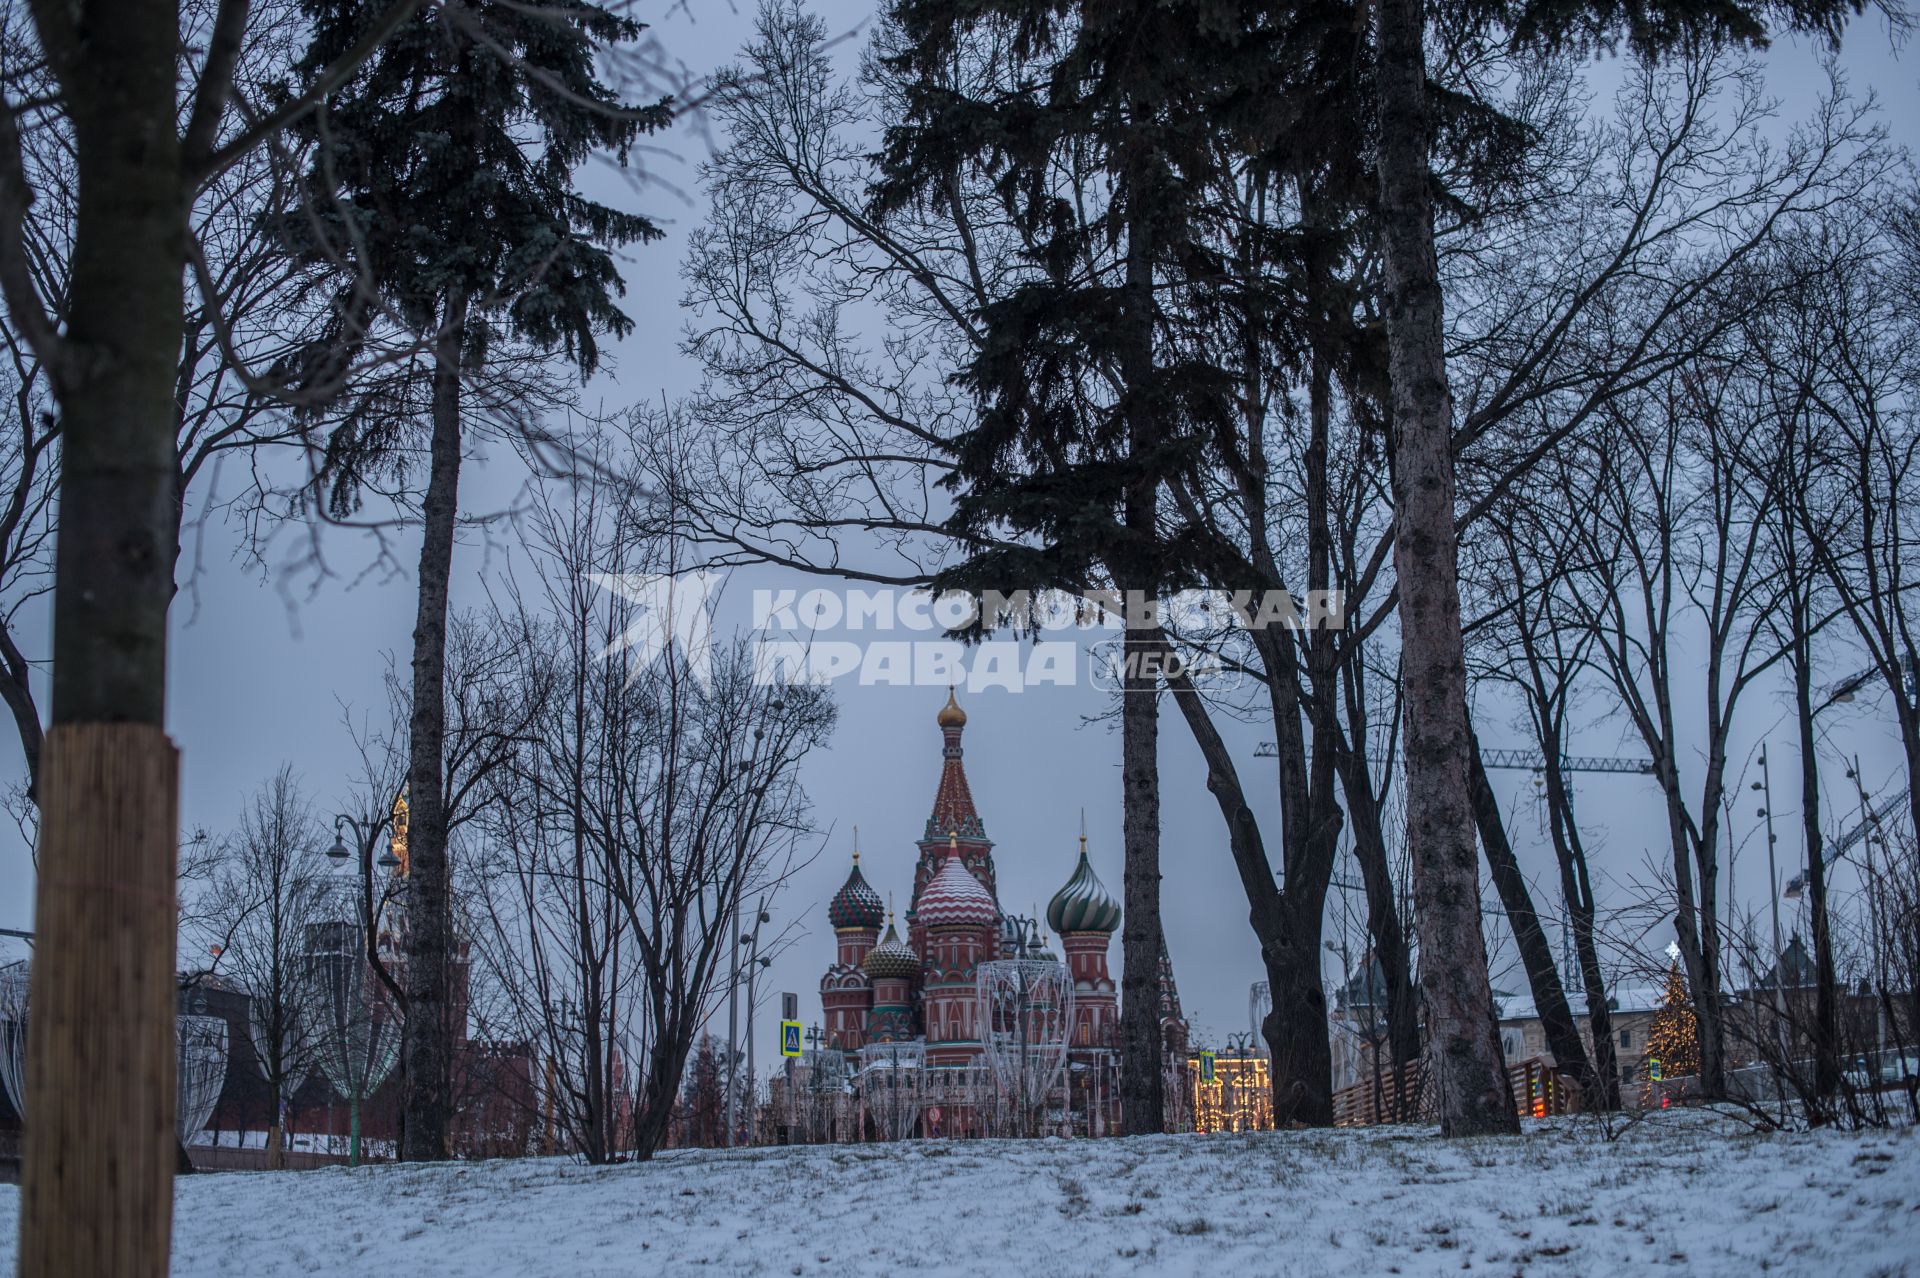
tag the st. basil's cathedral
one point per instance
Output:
(920, 992)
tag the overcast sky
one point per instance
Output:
(262, 666)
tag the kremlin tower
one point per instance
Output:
(922, 991)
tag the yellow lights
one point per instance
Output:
(1238, 1099)
(400, 833)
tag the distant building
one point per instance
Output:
(1523, 1035)
(884, 996)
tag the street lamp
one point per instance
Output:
(755, 965)
(363, 836)
(1765, 786)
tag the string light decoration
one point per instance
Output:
(1673, 1045)
(1026, 1018)
(355, 1033)
(1239, 1099)
(202, 1044)
(13, 1034)
(892, 1091)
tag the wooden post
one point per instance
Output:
(96, 1169)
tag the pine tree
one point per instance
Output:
(1673, 1039)
(1087, 398)
(444, 179)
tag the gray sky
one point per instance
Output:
(261, 668)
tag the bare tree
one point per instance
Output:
(653, 790)
(266, 889)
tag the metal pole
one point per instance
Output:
(1873, 929)
(753, 970)
(1773, 905)
(733, 1017)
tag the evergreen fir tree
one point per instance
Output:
(443, 183)
(1088, 395)
(1673, 1039)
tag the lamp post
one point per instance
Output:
(1765, 786)
(754, 965)
(363, 836)
(750, 796)
(815, 1124)
(1873, 836)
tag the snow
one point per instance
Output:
(1684, 1193)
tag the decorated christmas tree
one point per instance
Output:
(1673, 1047)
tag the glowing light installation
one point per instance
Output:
(1025, 1017)
(893, 1086)
(202, 1042)
(13, 1033)
(355, 1033)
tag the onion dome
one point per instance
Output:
(954, 898)
(856, 904)
(1084, 904)
(891, 958)
(951, 715)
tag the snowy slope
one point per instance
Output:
(1680, 1193)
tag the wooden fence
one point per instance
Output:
(1538, 1090)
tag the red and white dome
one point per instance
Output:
(955, 898)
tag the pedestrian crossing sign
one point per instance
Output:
(1206, 1067)
(789, 1038)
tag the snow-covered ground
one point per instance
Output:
(1680, 1193)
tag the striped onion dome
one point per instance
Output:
(955, 898)
(856, 904)
(1084, 904)
(891, 958)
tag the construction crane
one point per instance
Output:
(1848, 841)
(1527, 761)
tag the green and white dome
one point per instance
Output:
(1084, 904)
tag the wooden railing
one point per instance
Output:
(1389, 1098)
(1538, 1090)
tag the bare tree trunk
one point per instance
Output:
(1536, 953)
(1826, 1020)
(430, 1032)
(1577, 887)
(16, 688)
(1470, 1078)
(1296, 1027)
(1383, 915)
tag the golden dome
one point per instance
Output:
(951, 715)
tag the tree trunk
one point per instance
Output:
(97, 1171)
(98, 1163)
(1142, 1053)
(1383, 915)
(1536, 952)
(1296, 1027)
(1577, 887)
(430, 1031)
(1826, 1018)
(1142, 1050)
(1471, 1085)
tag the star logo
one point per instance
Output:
(669, 610)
